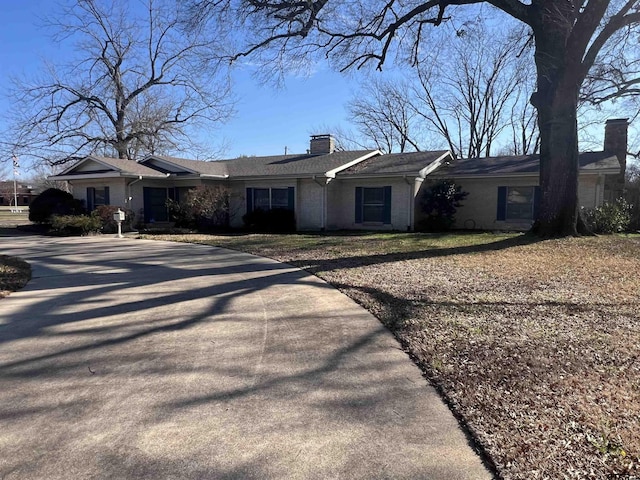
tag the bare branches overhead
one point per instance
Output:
(138, 81)
(581, 47)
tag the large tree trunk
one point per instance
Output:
(558, 214)
(556, 101)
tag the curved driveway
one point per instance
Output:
(132, 359)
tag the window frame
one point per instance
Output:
(503, 213)
(531, 204)
(361, 205)
(289, 194)
(376, 204)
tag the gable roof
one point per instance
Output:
(95, 166)
(411, 164)
(525, 165)
(180, 166)
(270, 166)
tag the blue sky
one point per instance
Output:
(267, 118)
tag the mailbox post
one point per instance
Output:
(119, 218)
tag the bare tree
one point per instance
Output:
(478, 93)
(571, 39)
(135, 86)
(472, 94)
(382, 111)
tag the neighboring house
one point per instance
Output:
(23, 193)
(332, 190)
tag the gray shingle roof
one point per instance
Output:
(199, 166)
(522, 164)
(394, 164)
(121, 165)
(277, 165)
(292, 164)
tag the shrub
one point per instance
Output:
(274, 220)
(109, 225)
(54, 201)
(75, 224)
(204, 208)
(610, 217)
(439, 205)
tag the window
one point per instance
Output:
(279, 198)
(97, 196)
(373, 205)
(270, 198)
(518, 203)
(261, 198)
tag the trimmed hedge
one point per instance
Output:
(274, 220)
(75, 224)
(610, 217)
(54, 201)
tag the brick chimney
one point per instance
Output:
(615, 142)
(615, 138)
(322, 144)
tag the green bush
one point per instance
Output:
(274, 220)
(439, 205)
(610, 217)
(204, 208)
(75, 224)
(54, 201)
(109, 225)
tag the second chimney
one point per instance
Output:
(322, 144)
(615, 139)
(615, 142)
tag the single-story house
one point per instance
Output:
(329, 190)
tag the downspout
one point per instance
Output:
(323, 210)
(129, 197)
(410, 183)
(599, 200)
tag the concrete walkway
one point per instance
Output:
(132, 359)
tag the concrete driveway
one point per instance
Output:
(132, 359)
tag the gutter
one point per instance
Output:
(210, 175)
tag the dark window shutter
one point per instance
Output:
(502, 203)
(291, 198)
(249, 200)
(358, 204)
(106, 196)
(91, 195)
(536, 202)
(386, 212)
(171, 193)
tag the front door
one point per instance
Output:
(155, 205)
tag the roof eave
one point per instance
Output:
(212, 176)
(90, 176)
(357, 176)
(582, 171)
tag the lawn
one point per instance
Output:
(533, 344)
(14, 274)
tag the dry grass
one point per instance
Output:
(14, 274)
(535, 345)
